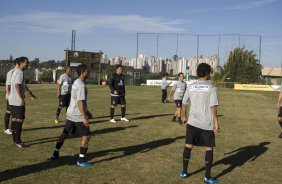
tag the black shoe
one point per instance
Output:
(179, 121)
(280, 136)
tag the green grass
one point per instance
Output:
(149, 148)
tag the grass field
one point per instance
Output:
(149, 148)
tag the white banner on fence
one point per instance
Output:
(159, 82)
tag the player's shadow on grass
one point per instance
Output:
(60, 126)
(94, 133)
(71, 160)
(150, 116)
(238, 157)
(130, 150)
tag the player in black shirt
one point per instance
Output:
(116, 85)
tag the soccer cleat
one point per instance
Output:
(83, 164)
(280, 136)
(8, 131)
(124, 119)
(210, 180)
(21, 145)
(55, 157)
(56, 121)
(113, 121)
(183, 175)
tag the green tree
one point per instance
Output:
(242, 66)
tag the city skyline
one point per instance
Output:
(43, 29)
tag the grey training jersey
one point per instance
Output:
(202, 96)
(78, 92)
(17, 78)
(8, 77)
(65, 81)
(164, 83)
(179, 89)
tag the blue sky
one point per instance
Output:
(42, 29)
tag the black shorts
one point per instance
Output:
(199, 137)
(8, 108)
(18, 112)
(178, 103)
(115, 100)
(280, 112)
(76, 127)
(64, 100)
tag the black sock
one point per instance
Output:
(82, 154)
(112, 112)
(123, 109)
(58, 112)
(208, 162)
(179, 119)
(57, 148)
(280, 123)
(173, 118)
(18, 132)
(6, 120)
(13, 129)
(186, 158)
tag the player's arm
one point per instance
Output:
(171, 91)
(18, 90)
(111, 86)
(8, 89)
(59, 86)
(185, 101)
(32, 96)
(215, 118)
(279, 99)
(82, 110)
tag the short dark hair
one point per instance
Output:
(203, 70)
(180, 74)
(165, 74)
(117, 66)
(16, 61)
(21, 60)
(67, 68)
(80, 69)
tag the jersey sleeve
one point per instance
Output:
(174, 87)
(213, 97)
(81, 93)
(60, 79)
(19, 78)
(186, 97)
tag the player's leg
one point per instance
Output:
(112, 108)
(61, 102)
(7, 119)
(68, 129)
(18, 119)
(190, 134)
(123, 108)
(208, 141)
(86, 135)
(280, 120)
(179, 105)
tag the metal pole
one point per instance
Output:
(218, 46)
(176, 53)
(137, 53)
(260, 49)
(99, 77)
(157, 46)
(198, 40)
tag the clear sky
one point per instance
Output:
(42, 29)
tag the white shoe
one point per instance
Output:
(8, 131)
(113, 121)
(124, 119)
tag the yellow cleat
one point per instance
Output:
(56, 121)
